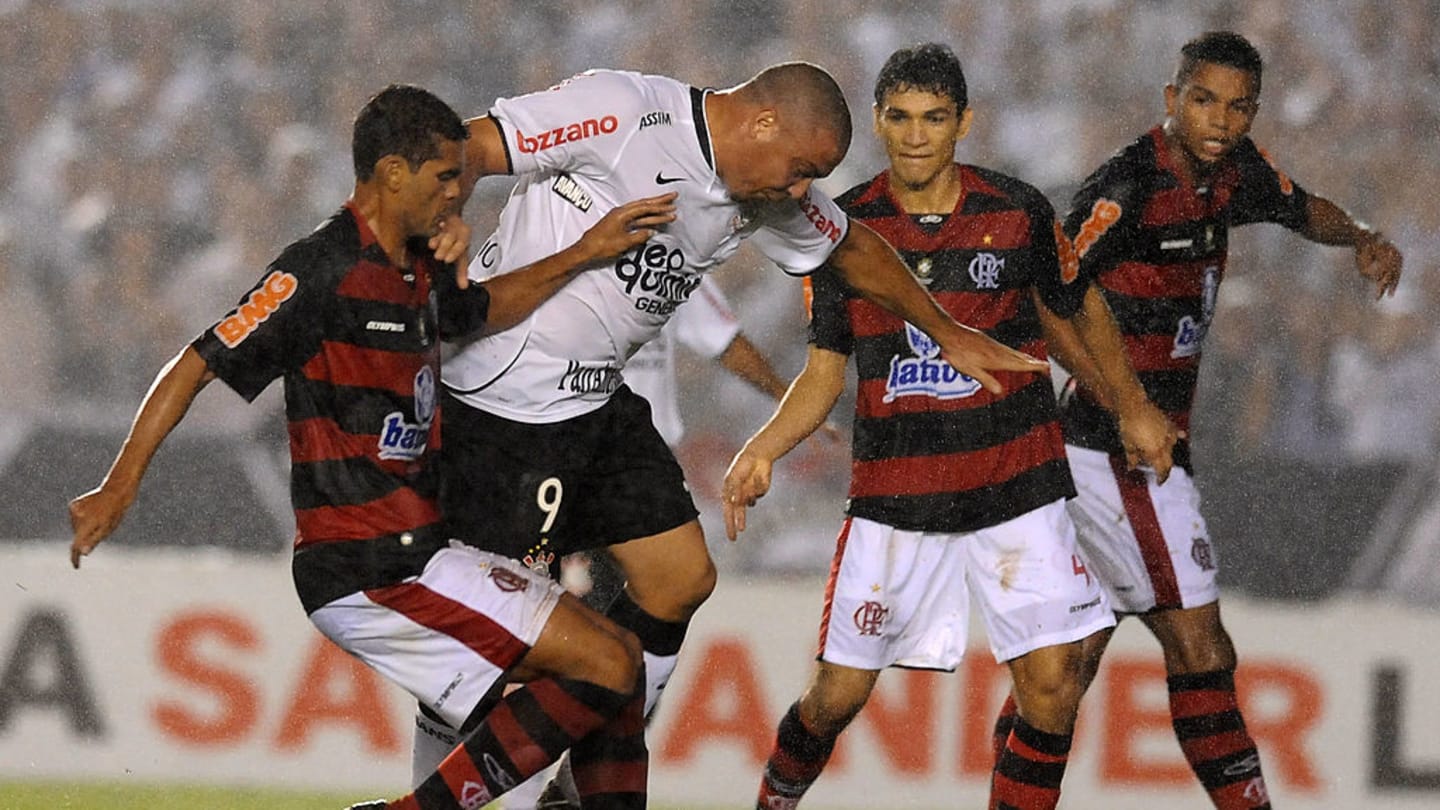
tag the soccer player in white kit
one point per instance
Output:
(546, 452)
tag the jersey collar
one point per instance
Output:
(702, 127)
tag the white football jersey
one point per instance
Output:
(706, 325)
(580, 149)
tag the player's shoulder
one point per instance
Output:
(1010, 190)
(326, 253)
(623, 87)
(1127, 172)
(868, 199)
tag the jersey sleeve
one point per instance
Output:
(1102, 222)
(1265, 193)
(274, 329)
(799, 236)
(462, 312)
(1054, 269)
(573, 126)
(830, 312)
(705, 323)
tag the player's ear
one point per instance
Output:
(392, 170)
(877, 111)
(765, 125)
(1172, 100)
(965, 119)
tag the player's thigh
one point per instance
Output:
(1147, 542)
(580, 644)
(1031, 586)
(669, 574)
(1193, 639)
(450, 634)
(895, 598)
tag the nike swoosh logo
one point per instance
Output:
(661, 179)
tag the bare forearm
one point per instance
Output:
(1329, 224)
(513, 296)
(743, 359)
(1105, 348)
(804, 406)
(164, 405)
(872, 268)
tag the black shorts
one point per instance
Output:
(536, 492)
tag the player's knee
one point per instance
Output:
(616, 659)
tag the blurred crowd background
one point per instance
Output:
(158, 153)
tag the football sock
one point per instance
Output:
(611, 766)
(1029, 772)
(1006, 721)
(434, 740)
(1207, 721)
(795, 763)
(660, 639)
(525, 732)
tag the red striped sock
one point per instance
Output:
(795, 763)
(611, 765)
(1003, 723)
(1211, 730)
(1028, 775)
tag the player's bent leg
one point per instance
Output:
(1047, 687)
(668, 576)
(807, 734)
(1204, 710)
(1046, 684)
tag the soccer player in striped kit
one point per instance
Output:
(955, 490)
(1150, 227)
(351, 318)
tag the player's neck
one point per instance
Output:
(389, 233)
(939, 195)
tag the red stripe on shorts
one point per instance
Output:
(830, 584)
(489, 639)
(1135, 495)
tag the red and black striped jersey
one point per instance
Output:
(1156, 245)
(932, 449)
(355, 339)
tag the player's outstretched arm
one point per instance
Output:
(802, 410)
(94, 515)
(513, 296)
(1089, 345)
(1376, 258)
(872, 268)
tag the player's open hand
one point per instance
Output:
(451, 245)
(1148, 437)
(1379, 260)
(628, 226)
(747, 480)
(93, 516)
(976, 355)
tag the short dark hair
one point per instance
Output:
(810, 92)
(1219, 48)
(402, 120)
(931, 67)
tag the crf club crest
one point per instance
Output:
(507, 580)
(870, 618)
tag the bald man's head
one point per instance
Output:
(805, 96)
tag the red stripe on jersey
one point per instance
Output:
(402, 510)
(321, 439)
(1155, 353)
(369, 281)
(377, 369)
(840, 543)
(957, 472)
(977, 310)
(481, 634)
(1140, 510)
(1140, 280)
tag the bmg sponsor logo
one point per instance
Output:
(404, 440)
(263, 301)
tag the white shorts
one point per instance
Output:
(449, 634)
(901, 598)
(1147, 543)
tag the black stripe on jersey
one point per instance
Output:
(1208, 237)
(966, 511)
(499, 130)
(702, 132)
(1172, 391)
(873, 354)
(1151, 316)
(370, 325)
(1090, 426)
(352, 482)
(940, 432)
(950, 269)
(365, 408)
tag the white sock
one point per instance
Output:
(658, 669)
(434, 741)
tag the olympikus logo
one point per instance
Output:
(275, 290)
(588, 128)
